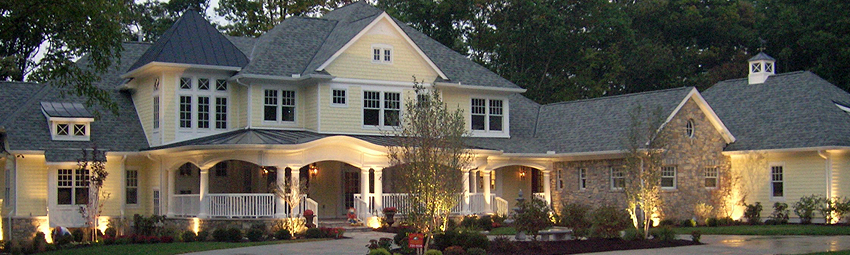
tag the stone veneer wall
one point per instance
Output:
(690, 155)
(22, 228)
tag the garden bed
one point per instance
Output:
(583, 246)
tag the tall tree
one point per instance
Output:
(254, 17)
(151, 18)
(428, 154)
(92, 165)
(645, 146)
(69, 30)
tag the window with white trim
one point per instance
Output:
(202, 105)
(710, 176)
(689, 128)
(582, 178)
(279, 105)
(72, 187)
(487, 114)
(70, 131)
(381, 109)
(560, 180)
(668, 177)
(618, 178)
(777, 181)
(338, 97)
(156, 201)
(382, 54)
(156, 112)
(132, 187)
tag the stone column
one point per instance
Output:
(295, 188)
(280, 204)
(379, 188)
(170, 190)
(465, 181)
(547, 189)
(487, 202)
(204, 211)
(364, 186)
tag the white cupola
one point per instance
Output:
(761, 66)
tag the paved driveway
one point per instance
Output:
(715, 244)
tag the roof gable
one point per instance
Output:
(709, 113)
(192, 40)
(382, 19)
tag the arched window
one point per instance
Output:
(689, 128)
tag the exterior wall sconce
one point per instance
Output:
(268, 169)
(522, 174)
(314, 170)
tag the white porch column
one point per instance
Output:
(547, 189)
(364, 186)
(465, 180)
(295, 188)
(204, 211)
(379, 188)
(487, 202)
(474, 174)
(171, 182)
(279, 203)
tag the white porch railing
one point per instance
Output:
(499, 206)
(241, 205)
(366, 207)
(540, 196)
(397, 200)
(361, 209)
(187, 205)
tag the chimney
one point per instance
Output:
(761, 66)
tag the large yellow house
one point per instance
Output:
(207, 124)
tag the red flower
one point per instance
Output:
(390, 209)
(308, 212)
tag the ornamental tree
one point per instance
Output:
(92, 165)
(645, 150)
(428, 153)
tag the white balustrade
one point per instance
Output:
(187, 205)
(540, 196)
(241, 205)
(500, 206)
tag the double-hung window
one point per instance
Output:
(132, 187)
(710, 176)
(668, 177)
(777, 189)
(279, 105)
(381, 108)
(202, 104)
(338, 97)
(382, 54)
(582, 178)
(618, 178)
(72, 187)
(487, 114)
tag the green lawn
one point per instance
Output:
(790, 229)
(503, 231)
(831, 253)
(166, 248)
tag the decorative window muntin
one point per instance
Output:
(221, 85)
(185, 111)
(756, 67)
(382, 53)
(668, 177)
(198, 106)
(487, 115)
(618, 178)
(221, 113)
(72, 186)
(777, 181)
(270, 105)
(338, 97)
(186, 83)
(132, 187)
(381, 108)
(279, 105)
(689, 128)
(156, 112)
(710, 177)
(203, 112)
(63, 129)
(203, 84)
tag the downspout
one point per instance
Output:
(828, 171)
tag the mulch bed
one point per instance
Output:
(583, 246)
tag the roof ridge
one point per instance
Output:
(324, 41)
(619, 96)
(38, 94)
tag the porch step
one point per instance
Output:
(343, 224)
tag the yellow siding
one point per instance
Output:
(356, 61)
(311, 109)
(840, 173)
(456, 100)
(148, 178)
(342, 120)
(143, 101)
(804, 175)
(239, 98)
(257, 101)
(168, 106)
(32, 186)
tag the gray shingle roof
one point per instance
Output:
(65, 110)
(289, 47)
(789, 110)
(761, 56)
(26, 128)
(253, 136)
(600, 124)
(193, 40)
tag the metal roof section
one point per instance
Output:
(192, 40)
(761, 56)
(65, 110)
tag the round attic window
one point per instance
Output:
(689, 128)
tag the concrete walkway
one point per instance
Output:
(729, 244)
(715, 244)
(354, 245)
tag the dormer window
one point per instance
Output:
(68, 121)
(382, 53)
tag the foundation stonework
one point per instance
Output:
(691, 155)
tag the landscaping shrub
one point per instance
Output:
(466, 239)
(166, 239)
(282, 234)
(689, 223)
(842, 208)
(219, 235)
(110, 231)
(608, 221)
(665, 234)
(726, 222)
(383, 242)
(695, 236)
(188, 236)
(454, 250)
(314, 233)
(335, 233)
(400, 237)
(503, 244)
(379, 251)
(476, 251)
(753, 213)
(498, 220)
(146, 225)
(712, 222)
(78, 234)
(63, 239)
(39, 243)
(469, 222)
(805, 208)
(433, 252)
(703, 211)
(632, 234)
(234, 235)
(667, 222)
(203, 235)
(484, 222)
(826, 207)
(779, 215)
(534, 217)
(574, 216)
(254, 235)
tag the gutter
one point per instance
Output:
(294, 77)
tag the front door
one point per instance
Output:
(350, 186)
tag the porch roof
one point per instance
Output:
(267, 137)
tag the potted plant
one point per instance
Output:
(308, 216)
(390, 212)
